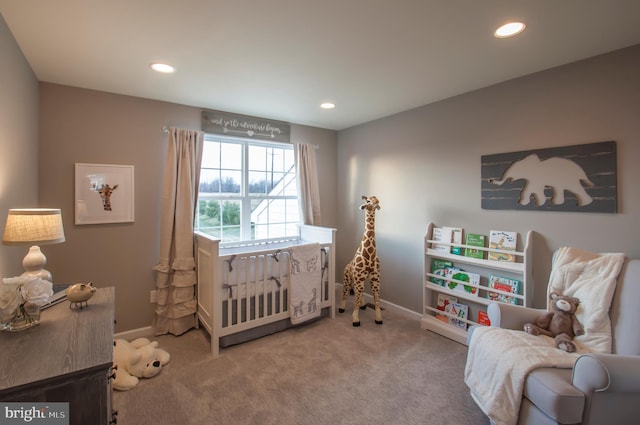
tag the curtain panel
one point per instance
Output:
(307, 174)
(175, 271)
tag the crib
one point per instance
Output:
(243, 289)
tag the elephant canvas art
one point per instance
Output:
(558, 174)
(571, 178)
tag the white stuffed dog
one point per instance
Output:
(139, 358)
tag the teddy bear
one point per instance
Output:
(560, 323)
(139, 358)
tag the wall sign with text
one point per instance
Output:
(218, 122)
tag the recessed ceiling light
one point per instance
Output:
(509, 30)
(162, 67)
(328, 105)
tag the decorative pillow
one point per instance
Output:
(592, 278)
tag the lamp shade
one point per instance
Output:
(33, 226)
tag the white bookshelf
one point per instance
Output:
(519, 269)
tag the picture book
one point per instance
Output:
(456, 237)
(483, 318)
(441, 234)
(439, 268)
(443, 301)
(458, 310)
(503, 284)
(474, 239)
(504, 241)
(462, 276)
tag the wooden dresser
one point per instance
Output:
(66, 358)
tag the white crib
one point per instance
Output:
(242, 290)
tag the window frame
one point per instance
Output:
(247, 199)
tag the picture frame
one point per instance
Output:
(104, 193)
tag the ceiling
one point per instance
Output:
(280, 59)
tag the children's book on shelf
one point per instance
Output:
(456, 237)
(441, 234)
(474, 239)
(458, 310)
(439, 267)
(462, 276)
(503, 284)
(483, 318)
(443, 301)
(502, 240)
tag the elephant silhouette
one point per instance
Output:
(557, 173)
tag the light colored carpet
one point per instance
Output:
(326, 372)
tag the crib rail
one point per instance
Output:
(254, 288)
(243, 287)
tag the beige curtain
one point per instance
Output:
(175, 271)
(307, 172)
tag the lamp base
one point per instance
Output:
(42, 274)
(34, 263)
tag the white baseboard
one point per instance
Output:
(146, 332)
(404, 312)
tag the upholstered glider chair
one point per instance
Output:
(600, 388)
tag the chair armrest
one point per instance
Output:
(607, 372)
(509, 316)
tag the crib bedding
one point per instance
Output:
(247, 275)
(254, 274)
(305, 282)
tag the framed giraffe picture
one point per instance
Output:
(104, 193)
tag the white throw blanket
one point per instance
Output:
(305, 282)
(499, 360)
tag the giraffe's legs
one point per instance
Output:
(358, 302)
(375, 288)
(345, 295)
(347, 284)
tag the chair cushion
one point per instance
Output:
(592, 278)
(550, 390)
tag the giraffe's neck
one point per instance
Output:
(368, 245)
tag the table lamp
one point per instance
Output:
(34, 226)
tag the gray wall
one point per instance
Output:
(78, 125)
(18, 142)
(424, 165)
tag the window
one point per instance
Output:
(248, 190)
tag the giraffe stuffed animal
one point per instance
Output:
(365, 265)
